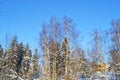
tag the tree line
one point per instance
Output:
(61, 54)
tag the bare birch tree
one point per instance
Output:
(51, 39)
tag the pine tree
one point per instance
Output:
(84, 67)
(20, 53)
(10, 60)
(36, 66)
(1, 51)
(13, 53)
(66, 59)
(60, 66)
(54, 46)
(1, 62)
(27, 61)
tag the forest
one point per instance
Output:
(61, 55)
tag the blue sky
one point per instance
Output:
(25, 17)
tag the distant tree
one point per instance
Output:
(1, 51)
(79, 64)
(115, 51)
(1, 61)
(84, 66)
(96, 53)
(98, 47)
(36, 66)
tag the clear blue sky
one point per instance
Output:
(24, 17)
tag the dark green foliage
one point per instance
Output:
(27, 59)
(1, 51)
(36, 66)
(1, 56)
(35, 60)
(20, 53)
(84, 68)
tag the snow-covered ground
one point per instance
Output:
(102, 76)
